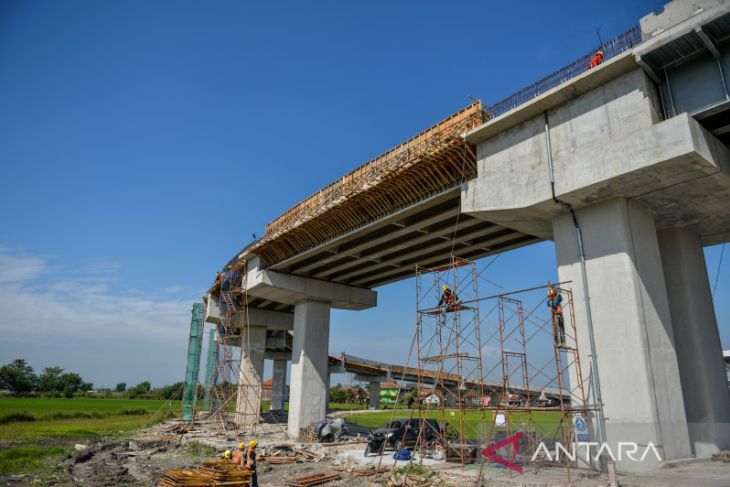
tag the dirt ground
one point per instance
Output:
(139, 460)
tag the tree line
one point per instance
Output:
(19, 378)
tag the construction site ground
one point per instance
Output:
(140, 458)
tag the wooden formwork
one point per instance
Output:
(435, 160)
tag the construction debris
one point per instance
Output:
(277, 460)
(368, 471)
(410, 480)
(359, 471)
(307, 434)
(212, 473)
(723, 456)
(315, 479)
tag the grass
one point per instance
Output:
(33, 419)
(476, 425)
(336, 406)
(28, 459)
(333, 406)
(195, 449)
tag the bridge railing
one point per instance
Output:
(612, 48)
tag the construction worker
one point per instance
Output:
(554, 301)
(596, 59)
(227, 454)
(251, 462)
(448, 298)
(240, 454)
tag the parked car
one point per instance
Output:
(402, 433)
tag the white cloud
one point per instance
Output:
(84, 307)
(17, 267)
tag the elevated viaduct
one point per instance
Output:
(625, 167)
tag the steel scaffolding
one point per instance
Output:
(506, 368)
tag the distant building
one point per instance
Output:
(266, 389)
(473, 399)
(389, 392)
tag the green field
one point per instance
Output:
(32, 419)
(475, 424)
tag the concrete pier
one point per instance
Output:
(248, 403)
(637, 362)
(308, 392)
(278, 386)
(374, 402)
(699, 351)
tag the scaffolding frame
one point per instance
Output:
(528, 381)
(233, 396)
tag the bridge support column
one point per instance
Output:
(450, 396)
(278, 386)
(637, 362)
(374, 395)
(248, 403)
(699, 351)
(308, 391)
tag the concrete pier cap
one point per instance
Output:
(290, 289)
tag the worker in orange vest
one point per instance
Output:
(251, 462)
(556, 312)
(596, 59)
(240, 454)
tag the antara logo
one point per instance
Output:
(625, 449)
(514, 440)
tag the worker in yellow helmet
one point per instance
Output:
(251, 462)
(227, 454)
(554, 302)
(596, 59)
(240, 454)
(448, 298)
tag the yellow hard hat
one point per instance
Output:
(551, 291)
(600, 53)
(241, 446)
(444, 287)
(227, 454)
(252, 443)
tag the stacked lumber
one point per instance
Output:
(314, 479)
(182, 477)
(213, 473)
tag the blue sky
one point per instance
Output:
(142, 143)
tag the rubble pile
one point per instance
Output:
(723, 456)
(284, 453)
(405, 479)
